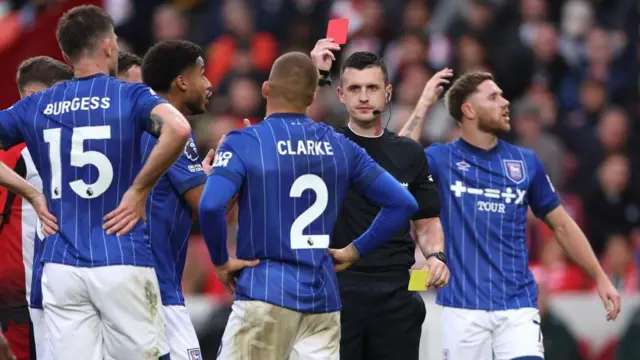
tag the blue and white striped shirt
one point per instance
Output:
(485, 195)
(84, 136)
(292, 174)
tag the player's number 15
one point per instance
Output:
(299, 240)
(80, 158)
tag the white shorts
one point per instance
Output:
(491, 335)
(110, 312)
(260, 331)
(39, 332)
(183, 340)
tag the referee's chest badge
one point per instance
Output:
(514, 170)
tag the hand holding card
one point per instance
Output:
(337, 30)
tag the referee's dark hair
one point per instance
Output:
(460, 90)
(126, 61)
(41, 70)
(293, 79)
(166, 60)
(79, 29)
(364, 59)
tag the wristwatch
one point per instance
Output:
(324, 79)
(439, 255)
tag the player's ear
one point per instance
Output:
(467, 110)
(107, 49)
(340, 94)
(312, 98)
(265, 89)
(181, 83)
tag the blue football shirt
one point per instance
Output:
(169, 218)
(485, 196)
(292, 174)
(84, 137)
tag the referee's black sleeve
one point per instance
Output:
(424, 189)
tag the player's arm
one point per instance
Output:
(430, 95)
(10, 135)
(172, 130)
(545, 205)
(163, 121)
(426, 221)
(226, 178)
(14, 160)
(379, 187)
(323, 57)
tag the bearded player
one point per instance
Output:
(486, 187)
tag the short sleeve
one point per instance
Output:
(364, 170)
(10, 133)
(228, 162)
(542, 195)
(143, 101)
(424, 189)
(187, 173)
(430, 154)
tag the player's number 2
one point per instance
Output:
(80, 158)
(298, 239)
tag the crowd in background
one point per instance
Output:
(569, 68)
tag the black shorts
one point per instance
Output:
(381, 319)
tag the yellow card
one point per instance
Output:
(418, 280)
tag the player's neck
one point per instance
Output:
(280, 109)
(176, 102)
(479, 139)
(366, 128)
(89, 67)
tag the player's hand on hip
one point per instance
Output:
(435, 86)
(438, 272)
(5, 351)
(345, 257)
(322, 54)
(609, 295)
(127, 215)
(49, 222)
(229, 271)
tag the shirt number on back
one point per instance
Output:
(298, 239)
(80, 158)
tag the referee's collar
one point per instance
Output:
(365, 136)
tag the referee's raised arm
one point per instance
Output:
(380, 318)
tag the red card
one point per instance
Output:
(337, 30)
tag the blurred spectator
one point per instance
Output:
(618, 263)
(548, 66)
(610, 207)
(528, 126)
(554, 272)
(559, 342)
(533, 14)
(169, 24)
(368, 33)
(239, 33)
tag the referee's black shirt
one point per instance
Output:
(405, 159)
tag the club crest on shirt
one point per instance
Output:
(190, 150)
(194, 354)
(514, 170)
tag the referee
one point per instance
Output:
(380, 318)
